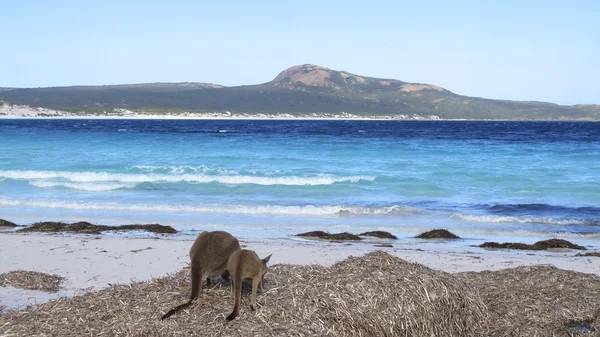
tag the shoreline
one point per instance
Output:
(27, 112)
(226, 117)
(95, 262)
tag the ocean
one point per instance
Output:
(276, 178)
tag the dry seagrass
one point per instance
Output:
(31, 280)
(376, 294)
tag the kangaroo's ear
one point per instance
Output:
(266, 259)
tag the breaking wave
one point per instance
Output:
(530, 209)
(90, 187)
(308, 210)
(125, 179)
(524, 220)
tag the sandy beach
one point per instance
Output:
(94, 262)
(10, 111)
(439, 287)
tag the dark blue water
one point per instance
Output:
(282, 176)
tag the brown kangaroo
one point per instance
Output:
(209, 256)
(245, 264)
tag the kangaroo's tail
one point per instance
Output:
(177, 308)
(196, 274)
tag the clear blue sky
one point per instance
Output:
(522, 50)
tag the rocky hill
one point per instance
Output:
(297, 91)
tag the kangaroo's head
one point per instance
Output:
(264, 264)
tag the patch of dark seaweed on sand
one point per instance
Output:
(84, 227)
(314, 234)
(6, 223)
(380, 234)
(437, 234)
(345, 236)
(540, 245)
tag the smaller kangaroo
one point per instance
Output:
(245, 264)
(209, 256)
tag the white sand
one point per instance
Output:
(10, 111)
(92, 262)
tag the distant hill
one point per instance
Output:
(299, 90)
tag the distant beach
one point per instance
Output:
(10, 111)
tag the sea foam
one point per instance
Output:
(95, 177)
(307, 210)
(90, 187)
(522, 220)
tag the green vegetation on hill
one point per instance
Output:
(300, 89)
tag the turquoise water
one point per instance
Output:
(268, 178)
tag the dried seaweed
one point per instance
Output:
(374, 295)
(380, 234)
(83, 227)
(437, 234)
(537, 300)
(540, 245)
(596, 254)
(506, 245)
(6, 223)
(314, 234)
(345, 236)
(31, 280)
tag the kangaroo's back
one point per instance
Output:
(209, 256)
(245, 264)
(211, 251)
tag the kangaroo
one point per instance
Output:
(209, 256)
(245, 264)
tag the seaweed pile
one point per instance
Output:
(540, 245)
(31, 280)
(84, 227)
(373, 295)
(345, 236)
(350, 298)
(437, 234)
